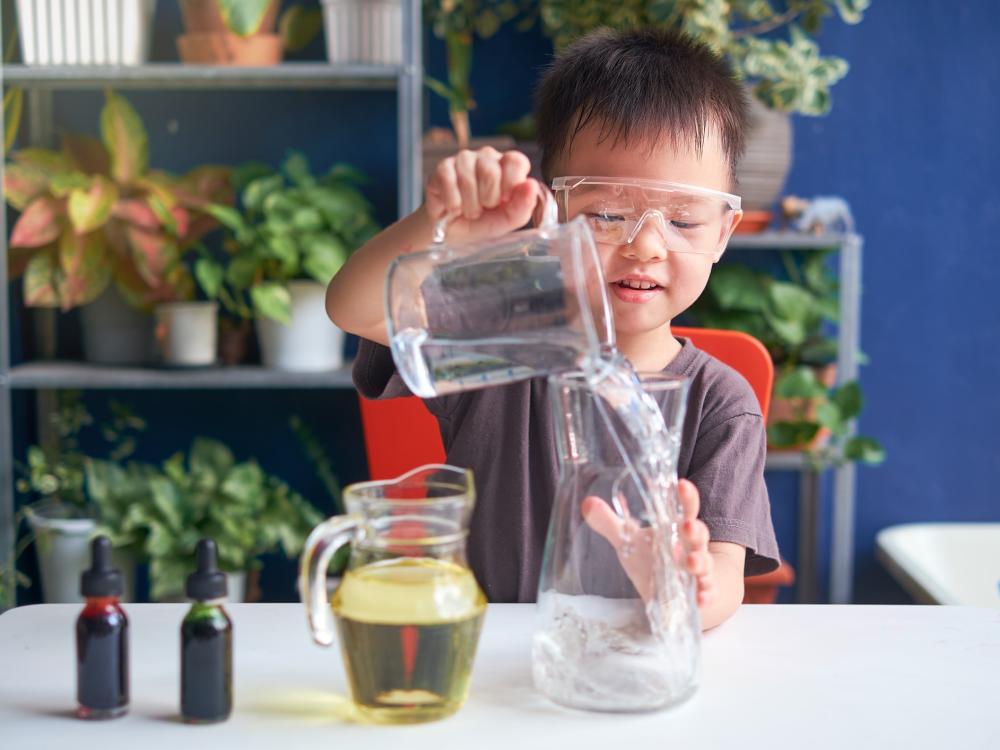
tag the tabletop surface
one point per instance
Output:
(773, 676)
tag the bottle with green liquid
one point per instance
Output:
(206, 644)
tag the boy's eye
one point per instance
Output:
(684, 224)
(606, 218)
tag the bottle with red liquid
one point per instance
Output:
(101, 640)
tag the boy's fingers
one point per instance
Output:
(601, 518)
(697, 534)
(515, 168)
(699, 563)
(488, 177)
(445, 185)
(521, 205)
(689, 498)
(465, 171)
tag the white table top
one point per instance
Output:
(772, 677)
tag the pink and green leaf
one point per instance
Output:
(86, 271)
(137, 213)
(38, 225)
(87, 154)
(22, 183)
(125, 138)
(90, 208)
(64, 183)
(40, 280)
(48, 161)
(153, 253)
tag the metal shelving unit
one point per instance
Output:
(849, 249)
(40, 83)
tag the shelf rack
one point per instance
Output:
(40, 82)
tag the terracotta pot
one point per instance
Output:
(203, 17)
(255, 51)
(790, 409)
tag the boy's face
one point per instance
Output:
(679, 278)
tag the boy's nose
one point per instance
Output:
(649, 244)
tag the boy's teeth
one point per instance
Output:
(634, 284)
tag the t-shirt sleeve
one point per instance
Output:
(375, 376)
(727, 467)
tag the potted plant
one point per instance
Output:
(789, 315)
(294, 232)
(243, 32)
(206, 493)
(62, 517)
(95, 218)
(459, 23)
(784, 70)
(78, 33)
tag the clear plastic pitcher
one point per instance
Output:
(408, 611)
(529, 303)
(618, 628)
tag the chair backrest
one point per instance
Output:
(401, 434)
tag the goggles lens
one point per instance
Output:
(689, 219)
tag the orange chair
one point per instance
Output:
(401, 434)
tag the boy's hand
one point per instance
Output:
(485, 193)
(634, 544)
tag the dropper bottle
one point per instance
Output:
(101, 640)
(206, 644)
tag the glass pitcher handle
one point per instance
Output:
(546, 201)
(320, 547)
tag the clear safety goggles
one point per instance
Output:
(690, 219)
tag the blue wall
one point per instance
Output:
(911, 143)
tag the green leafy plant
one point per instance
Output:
(293, 225)
(788, 73)
(205, 493)
(55, 478)
(458, 23)
(94, 213)
(791, 317)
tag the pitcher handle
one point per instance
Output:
(546, 203)
(320, 547)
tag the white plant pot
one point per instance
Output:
(187, 333)
(364, 31)
(85, 32)
(63, 547)
(311, 343)
(114, 332)
(236, 584)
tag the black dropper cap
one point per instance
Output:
(207, 582)
(101, 579)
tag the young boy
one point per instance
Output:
(619, 114)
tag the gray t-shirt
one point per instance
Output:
(505, 435)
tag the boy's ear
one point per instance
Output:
(727, 233)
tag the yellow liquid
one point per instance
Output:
(408, 633)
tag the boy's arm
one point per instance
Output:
(487, 192)
(355, 296)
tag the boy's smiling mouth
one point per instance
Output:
(635, 288)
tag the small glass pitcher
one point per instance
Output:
(409, 610)
(619, 628)
(487, 313)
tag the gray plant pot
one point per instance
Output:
(115, 333)
(762, 171)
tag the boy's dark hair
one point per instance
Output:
(643, 84)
